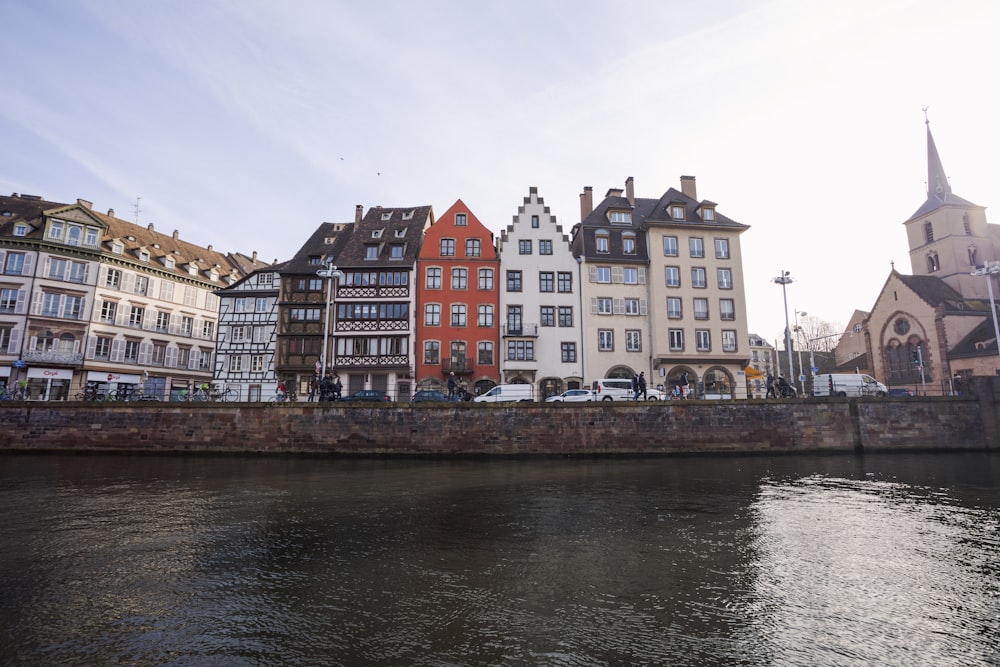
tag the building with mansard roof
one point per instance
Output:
(92, 303)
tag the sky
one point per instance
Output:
(244, 124)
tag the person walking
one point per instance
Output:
(770, 387)
(641, 386)
(684, 384)
(452, 386)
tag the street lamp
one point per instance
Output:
(988, 270)
(332, 274)
(802, 370)
(783, 280)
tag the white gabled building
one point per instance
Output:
(540, 307)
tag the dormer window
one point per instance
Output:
(387, 216)
(56, 230)
(371, 252)
(213, 276)
(708, 214)
(314, 261)
(117, 247)
(400, 233)
(408, 215)
(169, 262)
(73, 235)
(602, 243)
(376, 233)
(20, 230)
(461, 220)
(676, 212)
(143, 255)
(396, 251)
(91, 237)
(192, 269)
(628, 244)
(620, 217)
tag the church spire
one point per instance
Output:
(937, 182)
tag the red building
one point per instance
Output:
(457, 303)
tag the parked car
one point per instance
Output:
(847, 384)
(508, 393)
(572, 396)
(612, 389)
(426, 395)
(900, 392)
(368, 395)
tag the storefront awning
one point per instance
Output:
(51, 373)
(753, 373)
(105, 376)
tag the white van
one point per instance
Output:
(612, 389)
(847, 384)
(508, 393)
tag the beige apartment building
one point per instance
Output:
(664, 280)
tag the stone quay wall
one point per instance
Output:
(619, 428)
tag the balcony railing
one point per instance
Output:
(523, 330)
(458, 365)
(53, 357)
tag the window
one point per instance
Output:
(458, 313)
(162, 322)
(434, 278)
(473, 247)
(677, 212)
(722, 248)
(56, 230)
(728, 340)
(546, 281)
(932, 262)
(143, 255)
(603, 243)
(485, 315)
(703, 340)
(696, 246)
(183, 356)
(8, 300)
(240, 305)
(676, 337)
(675, 309)
(545, 247)
(260, 305)
(20, 230)
(603, 274)
(117, 247)
(90, 238)
(604, 305)
(304, 314)
(432, 352)
(725, 278)
(132, 350)
(534, 222)
(187, 325)
(432, 314)
(486, 279)
(102, 350)
(396, 251)
(109, 309)
(605, 340)
(447, 247)
(371, 252)
(620, 217)
(628, 244)
(524, 247)
(568, 352)
(633, 340)
(708, 214)
(73, 307)
(670, 246)
(548, 316)
(929, 232)
(631, 306)
(236, 363)
(565, 282)
(630, 276)
(701, 309)
(513, 281)
(461, 220)
(520, 350)
(513, 327)
(135, 316)
(727, 309)
(459, 278)
(565, 316)
(698, 278)
(673, 276)
(257, 363)
(485, 352)
(14, 264)
(141, 285)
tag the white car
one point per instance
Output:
(572, 396)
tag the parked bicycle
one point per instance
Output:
(15, 394)
(225, 395)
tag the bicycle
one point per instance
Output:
(226, 395)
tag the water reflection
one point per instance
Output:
(719, 561)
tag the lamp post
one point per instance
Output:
(332, 274)
(783, 280)
(802, 370)
(988, 270)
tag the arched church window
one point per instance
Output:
(932, 263)
(965, 223)
(973, 259)
(929, 231)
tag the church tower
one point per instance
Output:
(948, 236)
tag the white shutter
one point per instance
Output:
(102, 276)
(15, 341)
(128, 281)
(150, 286)
(617, 274)
(32, 343)
(642, 275)
(593, 305)
(145, 353)
(117, 350)
(171, 358)
(593, 274)
(91, 347)
(36, 302)
(618, 306)
(22, 302)
(29, 260)
(193, 359)
(643, 307)
(3, 256)
(47, 268)
(76, 347)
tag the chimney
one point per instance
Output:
(209, 248)
(176, 235)
(84, 203)
(111, 212)
(149, 226)
(614, 192)
(359, 212)
(254, 258)
(688, 187)
(586, 202)
(630, 191)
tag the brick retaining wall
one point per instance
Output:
(670, 427)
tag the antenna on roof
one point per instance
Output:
(137, 209)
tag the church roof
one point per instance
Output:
(931, 289)
(938, 188)
(981, 341)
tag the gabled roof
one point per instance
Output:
(327, 241)
(981, 341)
(384, 228)
(859, 363)
(931, 289)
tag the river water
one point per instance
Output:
(809, 560)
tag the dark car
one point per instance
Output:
(900, 391)
(425, 395)
(373, 395)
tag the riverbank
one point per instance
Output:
(650, 428)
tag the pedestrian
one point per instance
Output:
(684, 384)
(770, 387)
(452, 386)
(957, 384)
(635, 387)
(326, 388)
(642, 386)
(337, 388)
(281, 391)
(313, 387)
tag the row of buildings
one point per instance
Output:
(399, 299)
